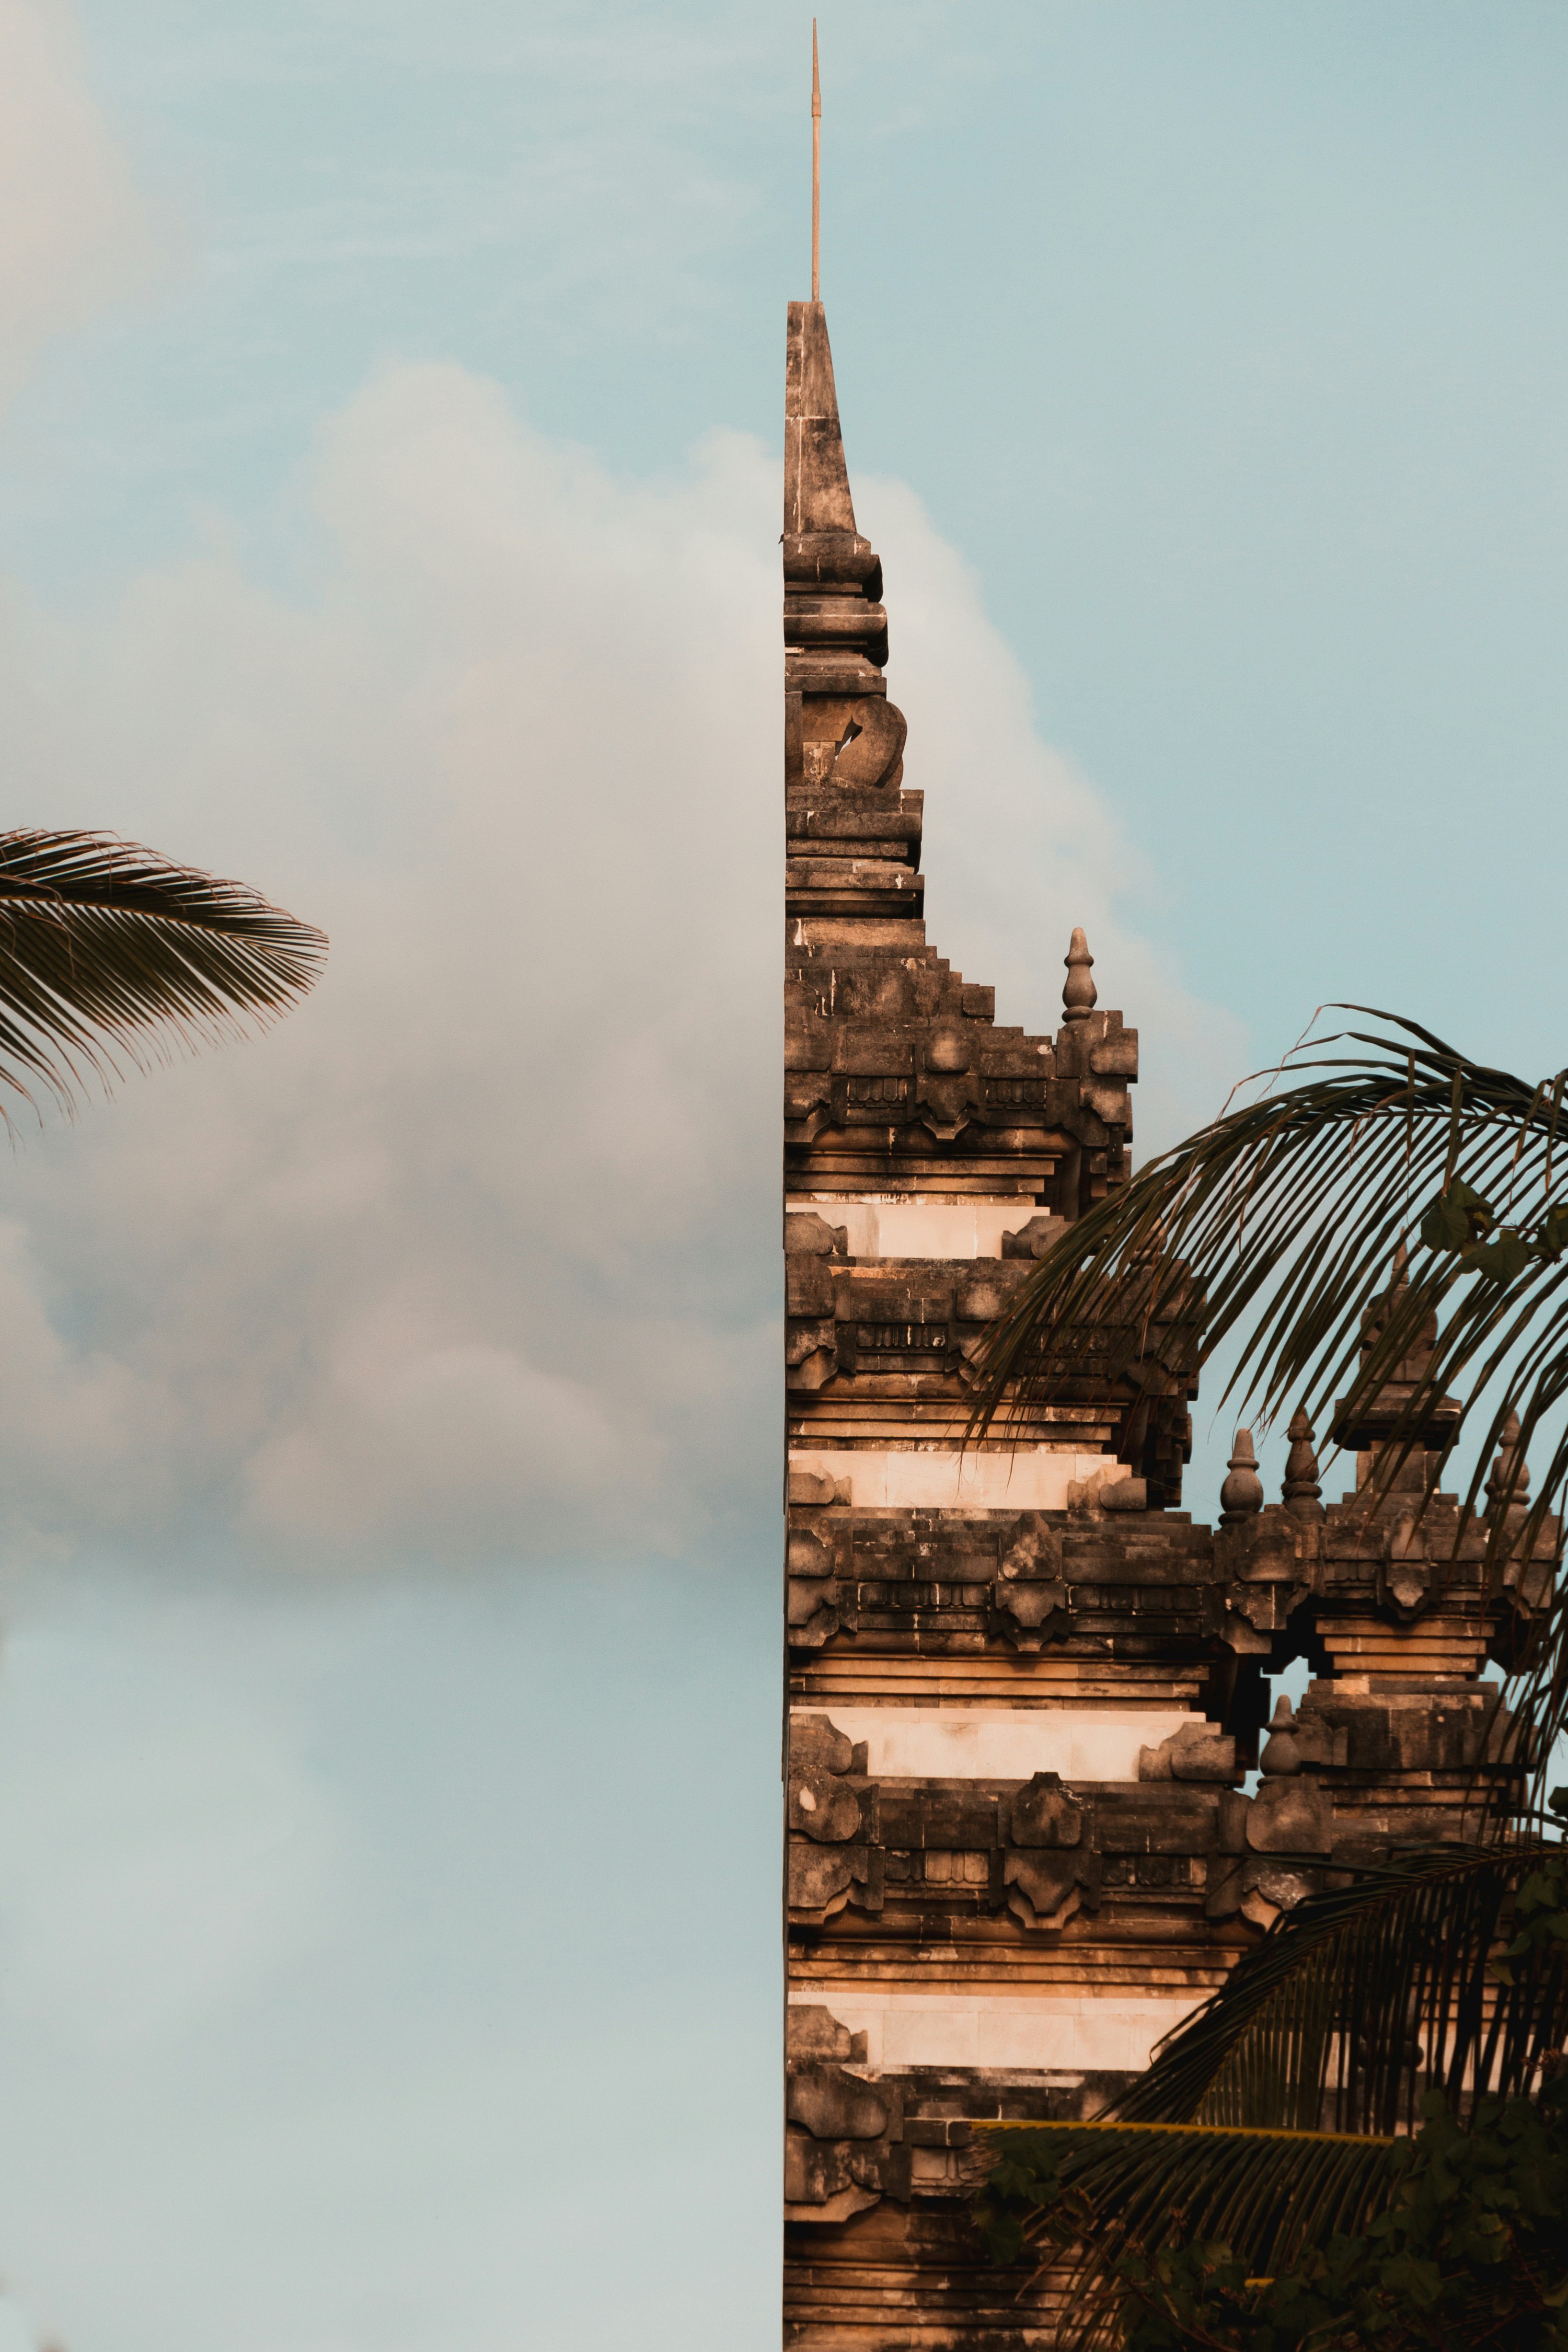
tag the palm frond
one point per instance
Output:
(1277, 1223)
(1119, 2189)
(1365, 1997)
(106, 948)
(1282, 2112)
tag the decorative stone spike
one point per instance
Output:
(1242, 1493)
(1281, 1749)
(1303, 1495)
(1079, 996)
(1378, 1419)
(816, 481)
(1508, 1473)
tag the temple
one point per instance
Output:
(1026, 1695)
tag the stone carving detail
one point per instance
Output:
(1029, 1591)
(1405, 1573)
(1199, 1752)
(811, 1609)
(834, 1855)
(1045, 1882)
(1242, 1493)
(1303, 1493)
(909, 1322)
(1079, 994)
(1034, 1239)
(808, 1233)
(811, 1355)
(871, 755)
(844, 2130)
(1508, 1481)
(1290, 1816)
(1045, 1815)
(1045, 1854)
(1271, 1560)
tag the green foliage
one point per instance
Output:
(1459, 1222)
(1470, 2249)
(1347, 2146)
(1541, 1915)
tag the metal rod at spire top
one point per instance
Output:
(816, 173)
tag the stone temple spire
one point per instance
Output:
(1025, 1689)
(836, 626)
(817, 480)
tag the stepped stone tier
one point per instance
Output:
(1026, 1693)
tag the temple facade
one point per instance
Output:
(1026, 1695)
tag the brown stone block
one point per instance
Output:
(1155, 1821)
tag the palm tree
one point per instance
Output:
(107, 950)
(1269, 2181)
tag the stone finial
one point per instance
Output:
(1303, 1494)
(1242, 1493)
(1281, 1749)
(1079, 995)
(1508, 1486)
(817, 479)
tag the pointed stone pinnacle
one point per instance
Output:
(1282, 1750)
(1302, 1492)
(1080, 996)
(817, 479)
(1242, 1493)
(1507, 1486)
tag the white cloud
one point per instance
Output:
(459, 1433)
(475, 1255)
(74, 231)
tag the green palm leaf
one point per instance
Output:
(107, 949)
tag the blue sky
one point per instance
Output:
(388, 1418)
(1223, 340)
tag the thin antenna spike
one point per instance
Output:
(815, 172)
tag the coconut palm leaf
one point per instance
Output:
(1277, 1223)
(1116, 2189)
(107, 949)
(1365, 1997)
(1281, 2113)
